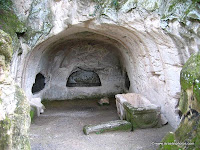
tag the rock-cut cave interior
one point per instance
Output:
(76, 67)
(85, 65)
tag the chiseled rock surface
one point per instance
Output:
(108, 126)
(14, 107)
(153, 38)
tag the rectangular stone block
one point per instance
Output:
(138, 110)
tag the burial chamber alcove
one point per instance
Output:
(83, 65)
(123, 61)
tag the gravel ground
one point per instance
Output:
(60, 128)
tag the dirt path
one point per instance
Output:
(60, 128)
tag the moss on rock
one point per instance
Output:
(142, 117)
(183, 104)
(187, 136)
(15, 122)
(189, 104)
(14, 127)
(33, 112)
(5, 137)
(10, 23)
(5, 47)
(190, 78)
(21, 121)
(169, 138)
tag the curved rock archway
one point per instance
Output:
(145, 57)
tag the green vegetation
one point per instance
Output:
(189, 128)
(32, 113)
(190, 77)
(183, 104)
(167, 140)
(187, 132)
(196, 139)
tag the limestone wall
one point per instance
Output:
(14, 107)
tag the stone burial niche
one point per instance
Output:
(83, 78)
(82, 65)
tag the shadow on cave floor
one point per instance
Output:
(60, 128)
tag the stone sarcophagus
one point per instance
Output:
(138, 110)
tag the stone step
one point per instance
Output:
(108, 126)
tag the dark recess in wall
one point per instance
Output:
(83, 78)
(39, 83)
(127, 81)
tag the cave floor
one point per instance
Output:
(60, 128)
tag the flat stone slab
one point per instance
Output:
(108, 126)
